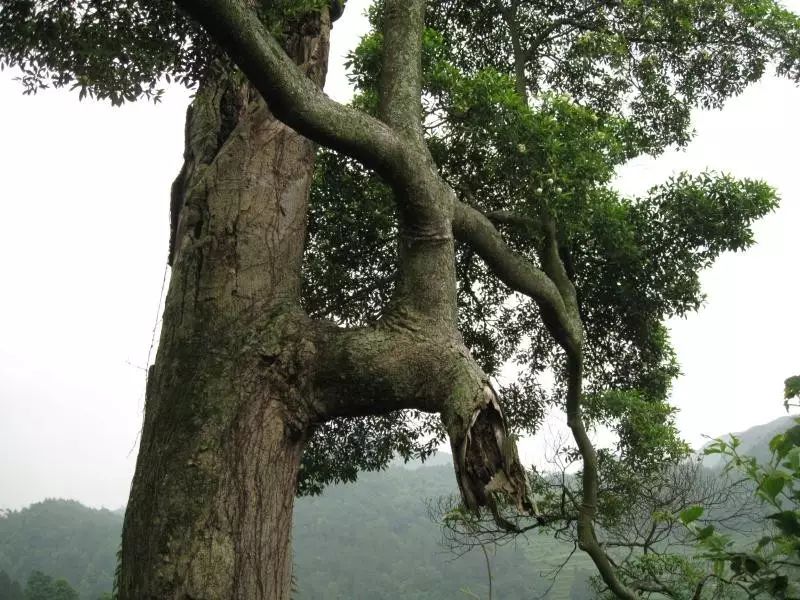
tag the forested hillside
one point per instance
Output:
(370, 540)
(363, 541)
(63, 539)
(373, 540)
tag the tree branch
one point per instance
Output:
(473, 228)
(555, 294)
(400, 86)
(292, 97)
(554, 267)
(377, 370)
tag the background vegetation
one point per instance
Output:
(368, 540)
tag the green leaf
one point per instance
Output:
(763, 542)
(772, 485)
(691, 514)
(705, 532)
(792, 387)
(751, 565)
(787, 521)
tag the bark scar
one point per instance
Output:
(488, 466)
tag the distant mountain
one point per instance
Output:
(371, 540)
(63, 539)
(754, 441)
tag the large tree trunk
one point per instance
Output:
(210, 508)
(243, 375)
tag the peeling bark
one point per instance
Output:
(486, 459)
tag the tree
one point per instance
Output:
(763, 565)
(9, 588)
(43, 587)
(244, 377)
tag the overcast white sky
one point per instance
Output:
(84, 208)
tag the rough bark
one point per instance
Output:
(242, 375)
(210, 509)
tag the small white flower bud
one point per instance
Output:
(550, 181)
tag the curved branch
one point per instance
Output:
(292, 97)
(473, 228)
(554, 292)
(376, 370)
(587, 539)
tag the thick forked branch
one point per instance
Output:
(426, 285)
(291, 96)
(485, 457)
(425, 201)
(370, 371)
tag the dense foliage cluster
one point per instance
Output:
(119, 51)
(635, 261)
(650, 62)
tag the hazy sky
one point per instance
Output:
(84, 208)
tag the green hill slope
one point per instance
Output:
(369, 540)
(63, 539)
(373, 540)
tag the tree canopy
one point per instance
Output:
(635, 261)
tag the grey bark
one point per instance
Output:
(242, 375)
(210, 508)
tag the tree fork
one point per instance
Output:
(242, 375)
(210, 508)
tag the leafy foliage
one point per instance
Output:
(720, 562)
(119, 51)
(770, 568)
(635, 261)
(110, 50)
(44, 587)
(791, 390)
(649, 62)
